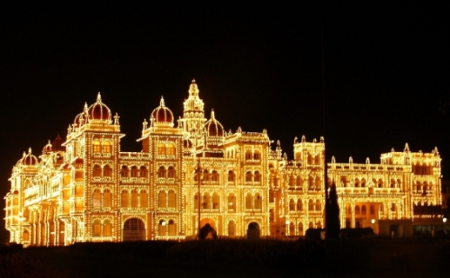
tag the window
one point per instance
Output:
(248, 176)
(96, 145)
(299, 205)
(161, 172)
(171, 149)
(143, 172)
(258, 201)
(311, 205)
(291, 205)
(357, 210)
(172, 228)
(124, 172)
(96, 199)
(248, 201)
(318, 205)
(171, 172)
(161, 149)
(107, 228)
(256, 155)
(172, 199)
(215, 176)
(96, 228)
(124, 198)
(134, 172)
(107, 198)
(162, 199)
(134, 198)
(248, 155)
(107, 171)
(231, 202)
(231, 175)
(106, 147)
(206, 201)
(216, 201)
(257, 176)
(363, 210)
(97, 171)
(143, 199)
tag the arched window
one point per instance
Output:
(96, 199)
(291, 205)
(231, 202)
(291, 229)
(248, 201)
(162, 227)
(357, 210)
(206, 201)
(107, 147)
(291, 180)
(171, 149)
(257, 177)
(97, 171)
(97, 147)
(248, 155)
(363, 183)
(172, 228)
(161, 172)
(161, 149)
(299, 181)
(231, 228)
(248, 176)
(356, 182)
(171, 172)
(134, 172)
(311, 205)
(299, 205)
(380, 183)
(107, 198)
(124, 172)
(258, 201)
(107, 171)
(172, 199)
(392, 183)
(215, 176)
(318, 205)
(317, 159)
(231, 175)
(143, 172)
(318, 184)
(134, 198)
(162, 199)
(124, 198)
(196, 201)
(143, 197)
(257, 155)
(96, 228)
(363, 210)
(372, 210)
(206, 175)
(300, 229)
(107, 228)
(216, 201)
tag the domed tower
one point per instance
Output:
(193, 114)
(214, 135)
(161, 116)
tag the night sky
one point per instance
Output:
(259, 66)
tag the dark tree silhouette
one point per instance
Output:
(333, 225)
(207, 232)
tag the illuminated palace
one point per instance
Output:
(85, 189)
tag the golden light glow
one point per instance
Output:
(86, 189)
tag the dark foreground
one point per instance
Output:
(233, 258)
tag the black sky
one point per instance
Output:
(257, 65)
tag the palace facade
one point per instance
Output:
(85, 189)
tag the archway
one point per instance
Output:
(133, 230)
(253, 231)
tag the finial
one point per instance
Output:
(303, 138)
(295, 140)
(116, 119)
(161, 103)
(322, 139)
(99, 97)
(85, 107)
(213, 116)
(144, 124)
(193, 80)
(406, 148)
(333, 159)
(29, 150)
(367, 160)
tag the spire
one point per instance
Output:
(99, 97)
(161, 103)
(213, 116)
(193, 89)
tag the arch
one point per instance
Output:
(318, 183)
(299, 205)
(162, 199)
(107, 228)
(248, 201)
(311, 205)
(299, 181)
(356, 182)
(97, 171)
(256, 155)
(248, 155)
(291, 205)
(107, 146)
(162, 227)
(357, 210)
(143, 172)
(133, 230)
(107, 171)
(143, 199)
(318, 205)
(363, 182)
(134, 172)
(171, 173)
(231, 175)
(253, 230)
(248, 176)
(96, 146)
(206, 175)
(206, 201)
(300, 229)
(172, 227)
(172, 199)
(257, 177)
(215, 201)
(96, 228)
(134, 198)
(231, 228)
(215, 176)
(161, 149)
(363, 210)
(171, 149)
(161, 172)
(258, 201)
(231, 202)
(96, 199)
(124, 171)
(124, 198)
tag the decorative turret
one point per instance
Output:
(193, 114)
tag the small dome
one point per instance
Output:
(80, 119)
(98, 110)
(213, 127)
(28, 159)
(47, 148)
(162, 115)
